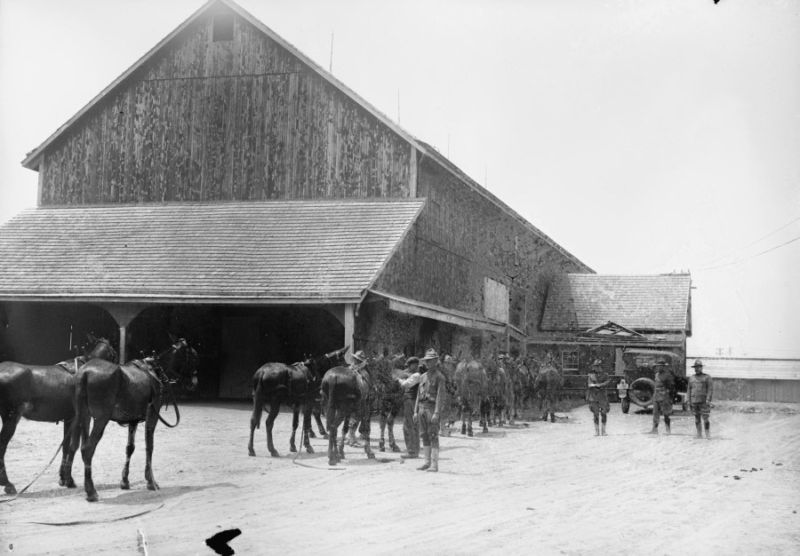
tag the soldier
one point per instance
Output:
(700, 390)
(662, 395)
(410, 428)
(430, 402)
(598, 397)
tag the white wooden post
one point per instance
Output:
(349, 325)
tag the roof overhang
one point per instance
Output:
(258, 252)
(437, 312)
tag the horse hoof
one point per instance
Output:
(370, 455)
(274, 454)
(309, 450)
(292, 449)
(396, 448)
(332, 462)
(311, 434)
(10, 489)
(152, 486)
(382, 448)
(251, 452)
(92, 497)
(71, 484)
(124, 485)
(469, 433)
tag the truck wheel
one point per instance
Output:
(641, 391)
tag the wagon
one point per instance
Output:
(640, 372)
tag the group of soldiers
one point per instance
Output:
(699, 394)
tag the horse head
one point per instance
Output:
(179, 363)
(102, 349)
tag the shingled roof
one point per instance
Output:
(577, 302)
(247, 252)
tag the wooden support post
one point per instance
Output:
(123, 314)
(349, 325)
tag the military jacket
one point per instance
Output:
(700, 388)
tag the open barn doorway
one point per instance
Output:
(232, 342)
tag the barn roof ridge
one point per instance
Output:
(31, 160)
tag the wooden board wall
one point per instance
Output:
(240, 119)
(461, 238)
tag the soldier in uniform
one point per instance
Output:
(430, 402)
(699, 394)
(598, 397)
(410, 386)
(662, 396)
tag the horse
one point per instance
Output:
(128, 394)
(388, 399)
(495, 405)
(297, 385)
(549, 383)
(43, 393)
(472, 387)
(345, 392)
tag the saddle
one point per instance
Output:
(71, 365)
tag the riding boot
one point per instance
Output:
(668, 429)
(596, 429)
(602, 429)
(708, 431)
(654, 430)
(699, 430)
(426, 450)
(434, 460)
(553, 417)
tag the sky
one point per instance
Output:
(643, 136)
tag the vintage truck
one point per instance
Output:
(639, 373)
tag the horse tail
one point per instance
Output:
(258, 403)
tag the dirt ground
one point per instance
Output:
(542, 488)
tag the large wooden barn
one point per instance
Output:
(228, 189)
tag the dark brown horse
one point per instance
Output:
(42, 393)
(388, 396)
(347, 392)
(472, 387)
(128, 394)
(548, 384)
(297, 385)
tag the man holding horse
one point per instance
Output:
(410, 387)
(598, 397)
(430, 403)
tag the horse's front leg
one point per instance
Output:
(295, 419)
(318, 418)
(390, 422)
(382, 423)
(364, 429)
(10, 421)
(307, 429)
(124, 484)
(149, 436)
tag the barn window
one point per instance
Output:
(223, 28)
(569, 360)
(495, 300)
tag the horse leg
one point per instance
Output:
(318, 418)
(307, 432)
(10, 421)
(149, 433)
(382, 442)
(295, 418)
(273, 413)
(392, 444)
(124, 484)
(88, 446)
(345, 429)
(67, 452)
(255, 419)
(330, 416)
(364, 430)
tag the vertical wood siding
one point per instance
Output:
(240, 119)
(461, 238)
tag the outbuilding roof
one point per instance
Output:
(659, 302)
(247, 252)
